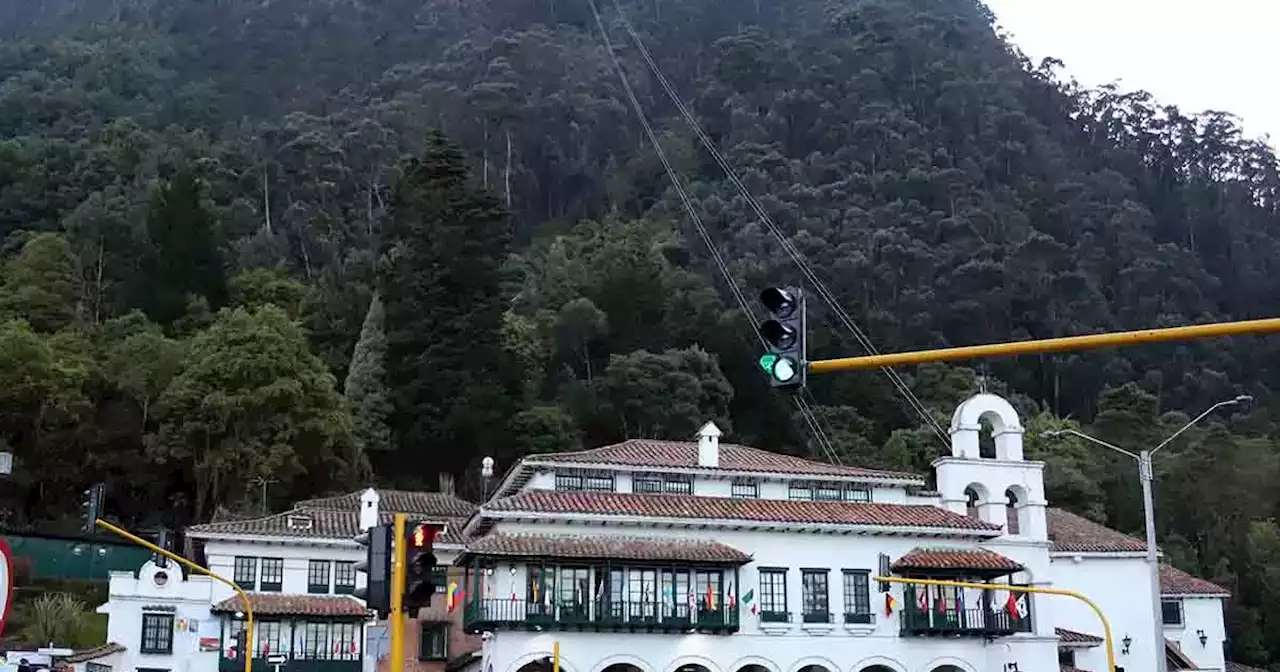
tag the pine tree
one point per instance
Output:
(366, 389)
(184, 261)
(450, 379)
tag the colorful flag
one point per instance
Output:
(890, 603)
(451, 594)
(729, 600)
(711, 598)
(1011, 605)
(748, 598)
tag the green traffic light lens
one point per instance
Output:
(767, 361)
(784, 369)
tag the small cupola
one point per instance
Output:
(369, 509)
(709, 445)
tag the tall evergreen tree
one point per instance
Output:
(450, 378)
(184, 260)
(366, 390)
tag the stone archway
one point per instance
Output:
(692, 667)
(947, 668)
(876, 668)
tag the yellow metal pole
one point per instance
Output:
(1068, 343)
(1106, 625)
(555, 656)
(248, 606)
(397, 593)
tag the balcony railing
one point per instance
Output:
(972, 622)
(604, 615)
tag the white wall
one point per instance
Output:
(221, 557)
(1200, 613)
(127, 598)
(1121, 588)
(787, 646)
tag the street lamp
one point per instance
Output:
(1146, 476)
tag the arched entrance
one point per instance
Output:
(692, 667)
(752, 668)
(622, 667)
(876, 668)
(947, 668)
(815, 668)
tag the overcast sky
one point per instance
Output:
(1196, 54)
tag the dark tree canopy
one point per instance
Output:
(200, 201)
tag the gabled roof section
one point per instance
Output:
(955, 558)
(693, 507)
(435, 504)
(598, 547)
(1070, 533)
(733, 457)
(1174, 581)
(1071, 638)
(305, 523)
(93, 653)
(1233, 666)
(278, 604)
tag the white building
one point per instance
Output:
(298, 569)
(702, 556)
(663, 556)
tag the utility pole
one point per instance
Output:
(1146, 475)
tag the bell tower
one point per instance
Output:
(1005, 490)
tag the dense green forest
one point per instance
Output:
(289, 247)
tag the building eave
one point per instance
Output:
(1112, 555)
(295, 541)
(1189, 596)
(592, 520)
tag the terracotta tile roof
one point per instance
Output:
(399, 501)
(1072, 533)
(1174, 581)
(653, 453)
(1233, 666)
(602, 547)
(86, 655)
(1071, 637)
(724, 508)
(955, 558)
(279, 604)
(310, 523)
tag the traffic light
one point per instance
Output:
(420, 565)
(163, 541)
(91, 508)
(377, 565)
(784, 333)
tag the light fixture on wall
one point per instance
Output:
(513, 570)
(488, 571)
(1126, 642)
(1204, 639)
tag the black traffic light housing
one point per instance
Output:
(91, 507)
(377, 565)
(164, 539)
(784, 332)
(420, 565)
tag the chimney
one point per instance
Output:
(446, 484)
(369, 509)
(709, 445)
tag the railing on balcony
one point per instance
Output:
(937, 620)
(489, 614)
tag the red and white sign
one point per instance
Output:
(6, 582)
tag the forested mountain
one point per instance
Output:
(284, 247)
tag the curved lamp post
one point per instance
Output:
(1146, 476)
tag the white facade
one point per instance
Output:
(550, 513)
(298, 569)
